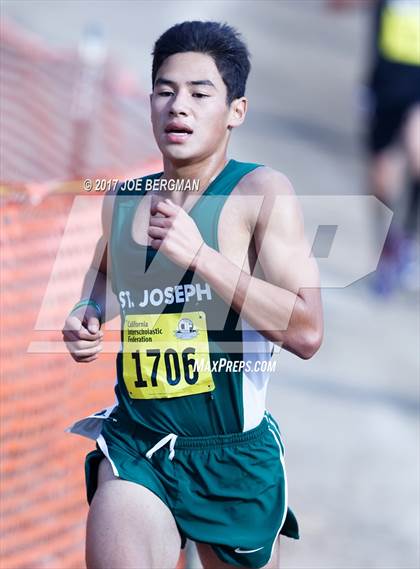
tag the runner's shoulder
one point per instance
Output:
(270, 195)
(265, 181)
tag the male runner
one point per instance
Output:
(209, 278)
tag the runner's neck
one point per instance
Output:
(205, 173)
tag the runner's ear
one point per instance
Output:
(238, 108)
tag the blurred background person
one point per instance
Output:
(392, 112)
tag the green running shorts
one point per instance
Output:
(229, 491)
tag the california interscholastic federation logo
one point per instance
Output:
(186, 329)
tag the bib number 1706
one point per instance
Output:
(172, 365)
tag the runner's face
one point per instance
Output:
(190, 116)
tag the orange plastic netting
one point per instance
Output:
(49, 227)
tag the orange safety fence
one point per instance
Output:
(43, 506)
(44, 253)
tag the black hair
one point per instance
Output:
(222, 42)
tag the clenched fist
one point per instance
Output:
(82, 334)
(174, 233)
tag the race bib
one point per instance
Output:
(400, 32)
(163, 354)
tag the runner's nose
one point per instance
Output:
(179, 105)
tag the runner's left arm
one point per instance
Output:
(285, 305)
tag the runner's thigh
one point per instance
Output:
(210, 560)
(129, 527)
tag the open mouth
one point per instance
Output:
(178, 131)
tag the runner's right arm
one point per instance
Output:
(81, 330)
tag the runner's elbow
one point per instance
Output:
(310, 342)
(302, 343)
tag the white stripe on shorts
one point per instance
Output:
(286, 498)
(104, 448)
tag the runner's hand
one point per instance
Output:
(174, 233)
(82, 334)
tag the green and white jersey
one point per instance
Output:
(187, 359)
